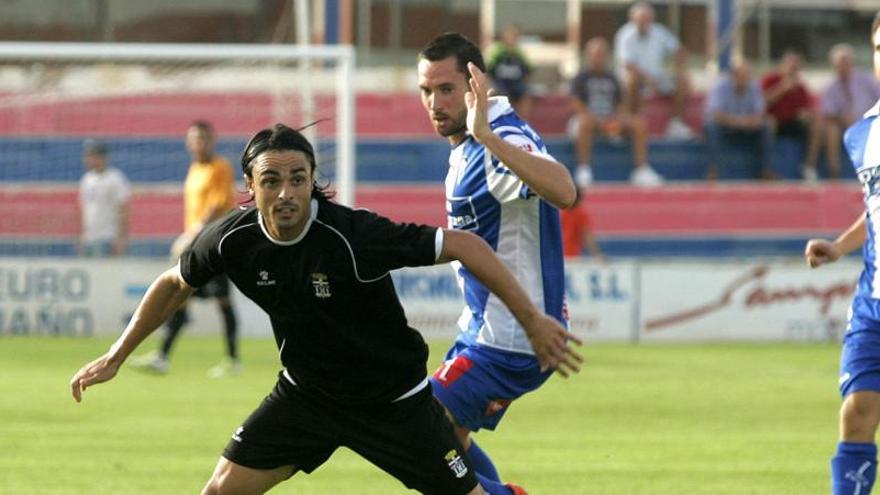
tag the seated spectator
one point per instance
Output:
(509, 70)
(790, 109)
(641, 47)
(598, 104)
(735, 114)
(852, 93)
(577, 232)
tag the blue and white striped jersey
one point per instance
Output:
(483, 196)
(862, 143)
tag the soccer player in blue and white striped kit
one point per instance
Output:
(504, 186)
(854, 466)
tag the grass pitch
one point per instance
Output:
(645, 419)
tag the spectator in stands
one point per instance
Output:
(598, 104)
(208, 194)
(790, 109)
(641, 47)
(735, 114)
(104, 195)
(577, 232)
(509, 70)
(851, 94)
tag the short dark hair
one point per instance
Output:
(876, 23)
(454, 44)
(280, 138)
(94, 147)
(203, 125)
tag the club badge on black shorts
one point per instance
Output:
(456, 464)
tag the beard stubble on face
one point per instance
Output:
(450, 126)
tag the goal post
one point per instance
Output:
(140, 97)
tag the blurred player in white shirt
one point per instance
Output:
(104, 194)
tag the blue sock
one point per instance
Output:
(853, 468)
(493, 487)
(482, 463)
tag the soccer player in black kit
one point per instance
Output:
(354, 372)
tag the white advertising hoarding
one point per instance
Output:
(600, 300)
(622, 301)
(774, 301)
(82, 297)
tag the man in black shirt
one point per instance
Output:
(354, 371)
(598, 104)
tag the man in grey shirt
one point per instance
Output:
(851, 94)
(735, 114)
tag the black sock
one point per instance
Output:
(231, 327)
(172, 330)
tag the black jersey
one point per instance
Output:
(338, 323)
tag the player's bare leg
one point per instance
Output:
(230, 478)
(859, 416)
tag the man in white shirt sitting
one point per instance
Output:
(641, 47)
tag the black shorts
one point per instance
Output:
(411, 439)
(216, 287)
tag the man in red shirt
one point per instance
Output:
(577, 232)
(790, 109)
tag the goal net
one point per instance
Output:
(139, 100)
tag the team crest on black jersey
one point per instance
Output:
(321, 284)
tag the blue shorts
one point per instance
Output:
(860, 360)
(477, 384)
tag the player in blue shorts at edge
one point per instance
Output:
(504, 186)
(854, 466)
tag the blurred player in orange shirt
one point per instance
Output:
(577, 232)
(209, 193)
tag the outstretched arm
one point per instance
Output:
(820, 251)
(548, 178)
(165, 295)
(548, 338)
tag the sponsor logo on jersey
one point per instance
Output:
(461, 213)
(321, 285)
(264, 280)
(456, 464)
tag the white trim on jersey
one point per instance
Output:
(498, 106)
(413, 391)
(312, 215)
(351, 253)
(504, 186)
(409, 393)
(519, 247)
(438, 244)
(220, 244)
(871, 156)
(871, 159)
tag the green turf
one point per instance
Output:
(675, 419)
